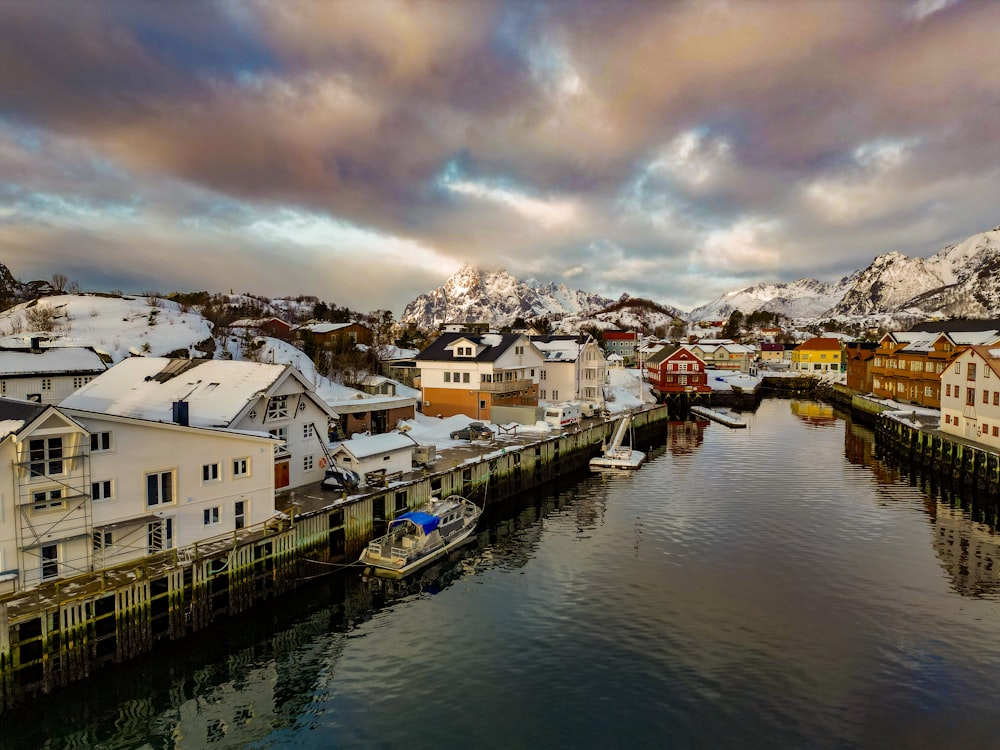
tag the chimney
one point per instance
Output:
(181, 413)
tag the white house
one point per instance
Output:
(375, 454)
(47, 374)
(970, 396)
(249, 396)
(159, 485)
(464, 373)
(573, 369)
(45, 522)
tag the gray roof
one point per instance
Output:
(495, 345)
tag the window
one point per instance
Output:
(455, 377)
(241, 467)
(100, 491)
(307, 463)
(996, 431)
(46, 500)
(958, 368)
(482, 403)
(970, 396)
(447, 377)
(928, 391)
(240, 513)
(277, 407)
(100, 441)
(541, 374)
(947, 389)
(996, 398)
(555, 395)
(159, 488)
(3, 387)
(45, 455)
(50, 561)
(211, 516)
(102, 540)
(211, 473)
(46, 384)
(682, 379)
(79, 382)
(970, 374)
(986, 397)
(518, 350)
(541, 394)
(465, 377)
(947, 418)
(308, 431)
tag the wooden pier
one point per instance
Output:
(62, 631)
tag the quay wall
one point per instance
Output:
(946, 461)
(63, 631)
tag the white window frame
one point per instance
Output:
(241, 467)
(277, 408)
(48, 561)
(105, 490)
(211, 473)
(102, 440)
(161, 485)
(212, 516)
(308, 462)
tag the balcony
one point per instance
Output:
(507, 386)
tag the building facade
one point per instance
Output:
(970, 402)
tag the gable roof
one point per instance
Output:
(661, 354)
(217, 391)
(50, 360)
(15, 415)
(820, 343)
(363, 446)
(493, 346)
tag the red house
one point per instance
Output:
(674, 369)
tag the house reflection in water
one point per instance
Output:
(685, 437)
(813, 413)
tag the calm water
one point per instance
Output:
(769, 587)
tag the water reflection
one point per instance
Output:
(780, 586)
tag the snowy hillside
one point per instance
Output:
(115, 326)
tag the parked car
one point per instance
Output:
(474, 431)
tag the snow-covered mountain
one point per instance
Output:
(805, 298)
(961, 280)
(497, 298)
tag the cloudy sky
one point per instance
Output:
(363, 150)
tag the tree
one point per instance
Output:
(59, 281)
(734, 326)
(40, 318)
(543, 326)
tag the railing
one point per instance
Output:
(506, 386)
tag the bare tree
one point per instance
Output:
(40, 318)
(59, 281)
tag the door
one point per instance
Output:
(240, 514)
(280, 474)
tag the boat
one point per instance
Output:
(616, 455)
(422, 535)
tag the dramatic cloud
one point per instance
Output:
(363, 151)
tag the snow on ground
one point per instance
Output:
(623, 390)
(115, 326)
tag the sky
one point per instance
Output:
(362, 151)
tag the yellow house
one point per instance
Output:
(817, 355)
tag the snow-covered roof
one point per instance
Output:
(146, 387)
(324, 327)
(364, 446)
(559, 350)
(50, 361)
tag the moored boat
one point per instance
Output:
(422, 535)
(617, 455)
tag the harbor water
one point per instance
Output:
(775, 586)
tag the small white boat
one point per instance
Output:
(616, 455)
(420, 536)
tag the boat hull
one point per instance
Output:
(386, 570)
(632, 461)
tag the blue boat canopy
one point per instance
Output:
(425, 521)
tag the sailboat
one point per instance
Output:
(617, 455)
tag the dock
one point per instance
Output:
(718, 416)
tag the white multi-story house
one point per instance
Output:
(573, 370)
(464, 373)
(155, 486)
(85, 491)
(45, 522)
(970, 396)
(248, 396)
(47, 375)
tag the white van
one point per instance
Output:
(562, 415)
